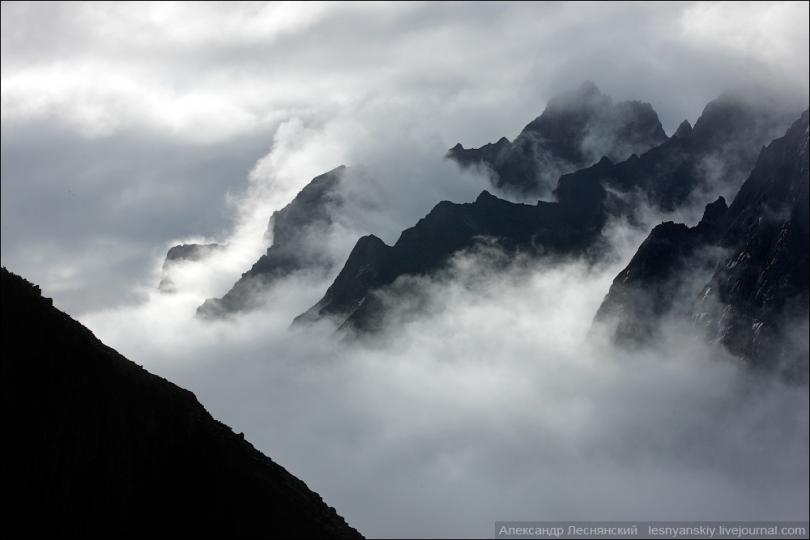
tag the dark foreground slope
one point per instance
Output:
(754, 296)
(94, 445)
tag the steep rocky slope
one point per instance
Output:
(574, 131)
(294, 231)
(546, 228)
(729, 133)
(759, 293)
(95, 446)
(747, 267)
(712, 158)
(671, 265)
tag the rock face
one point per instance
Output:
(667, 175)
(295, 231)
(756, 289)
(448, 228)
(712, 158)
(95, 446)
(189, 252)
(761, 288)
(669, 266)
(575, 130)
(183, 252)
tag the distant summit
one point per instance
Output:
(295, 232)
(575, 130)
(730, 132)
(181, 253)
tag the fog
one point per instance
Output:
(499, 401)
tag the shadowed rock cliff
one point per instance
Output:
(96, 446)
(295, 231)
(575, 130)
(668, 176)
(747, 267)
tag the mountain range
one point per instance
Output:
(639, 169)
(714, 156)
(741, 274)
(669, 176)
(575, 130)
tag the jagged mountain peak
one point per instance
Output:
(684, 130)
(584, 99)
(294, 231)
(736, 111)
(715, 211)
(484, 195)
(750, 258)
(668, 176)
(575, 130)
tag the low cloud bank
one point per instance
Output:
(496, 402)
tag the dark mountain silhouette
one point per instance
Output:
(711, 159)
(189, 252)
(544, 228)
(757, 283)
(762, 285)
(668, 176)
(183, 252)
(671, 264)
(295, 231)
(575, 130)
(96, 446)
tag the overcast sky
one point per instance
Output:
(126, 126)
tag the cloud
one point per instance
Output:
(209, 72)
(492, 404)
(166, 106)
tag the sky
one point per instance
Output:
(128, 128)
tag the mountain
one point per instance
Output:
(756, 254)
(543, 228)
(96, 446)
(574, 131)
(668, 176)
(670, 265)
(762, 286)
(710, 159)
(295, 232)
(180, 253)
